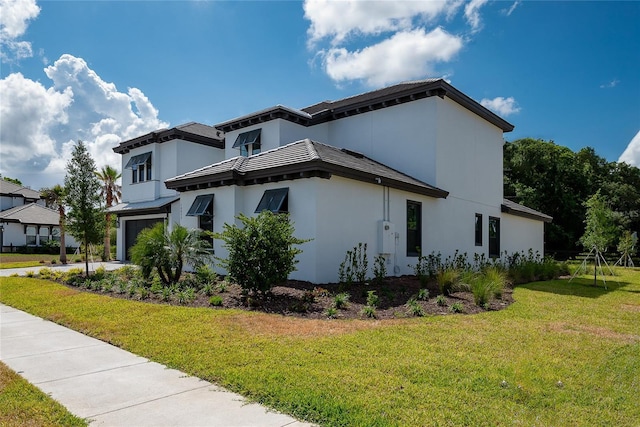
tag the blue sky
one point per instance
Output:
(107, 71)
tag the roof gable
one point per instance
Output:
(302, 159)
(192, 132)
(382, 98)
(10, 189)
(516, 209)
(31, 213)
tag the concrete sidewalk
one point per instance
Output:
(112, 387)
(109, 266)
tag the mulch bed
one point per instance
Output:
(307, 300)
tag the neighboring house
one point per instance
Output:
(415, 167)
(25, 220)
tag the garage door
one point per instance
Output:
(132, 228)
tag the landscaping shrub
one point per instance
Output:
(372, 299)
(487, 285)
(168, 252)
(441, 300)
(341, 300)
(369, 311)
(414, 308)
(355, 265)
(456, 307)
(215, 301)
(379, 269)
(262, 252)
(446, 279)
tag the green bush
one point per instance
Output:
(379, 269)
(368, 311)
(456, 307)
(414, 308)
(341, 300)
(441, 300)
(487, 285)
(168, 252)
(215, 301)
(447, 278)
(355, 265)
(262, 252)
(372, 299)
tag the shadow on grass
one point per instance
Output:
(579, 287)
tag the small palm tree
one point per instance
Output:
(111, 192)
(168, 252)
(54, 199)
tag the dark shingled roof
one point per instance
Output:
(302, 159)
(10, 189)
(31, 213)
(148, 207)
(382, 98)
(192, 132)
(519, 210)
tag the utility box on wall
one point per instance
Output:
(386, 237)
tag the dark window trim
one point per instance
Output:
(417, 233)
(478, 229)
(248, 138)
(494, 249)
(138, 160)
(200, 205)
(275, 200)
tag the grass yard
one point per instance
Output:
(22, 404)
(562, 354)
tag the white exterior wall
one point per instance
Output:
(402, 137)
(168, 159)
(469, 155)
(292, 132)
(521, 234)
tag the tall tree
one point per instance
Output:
(111, 193)
(83, 198)
(555, 180)
(54, 198)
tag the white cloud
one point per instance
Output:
(631, 154)
(472, 13)
(513, 7)
(339, 19)
(40, 125)
(14, 20)
(404, 56)
(501, 106)
(387, 41)
(612, 83)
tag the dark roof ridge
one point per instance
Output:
(205, 135)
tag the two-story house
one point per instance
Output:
(415, 167)
(25, 220)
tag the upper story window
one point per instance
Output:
(276, 201)
(249, 142)
(140, 166)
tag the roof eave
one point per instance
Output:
(528, 215)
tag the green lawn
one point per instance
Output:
(11, 260)
(495, 368)
(22, 404)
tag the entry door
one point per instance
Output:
(133, 228)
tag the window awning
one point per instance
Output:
(247, 138)
(138, 160)
(274, 200)
(200, 205)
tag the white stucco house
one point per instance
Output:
(25, 220)
(415, 166)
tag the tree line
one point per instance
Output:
(559, 182)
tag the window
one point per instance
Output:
(494, 237)
(478, 229)
(414, 228)
(276, 201)
(44, 235)
(31, 232)
(140, 166)
(249, 142)
(202, 207)
(55, 234)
